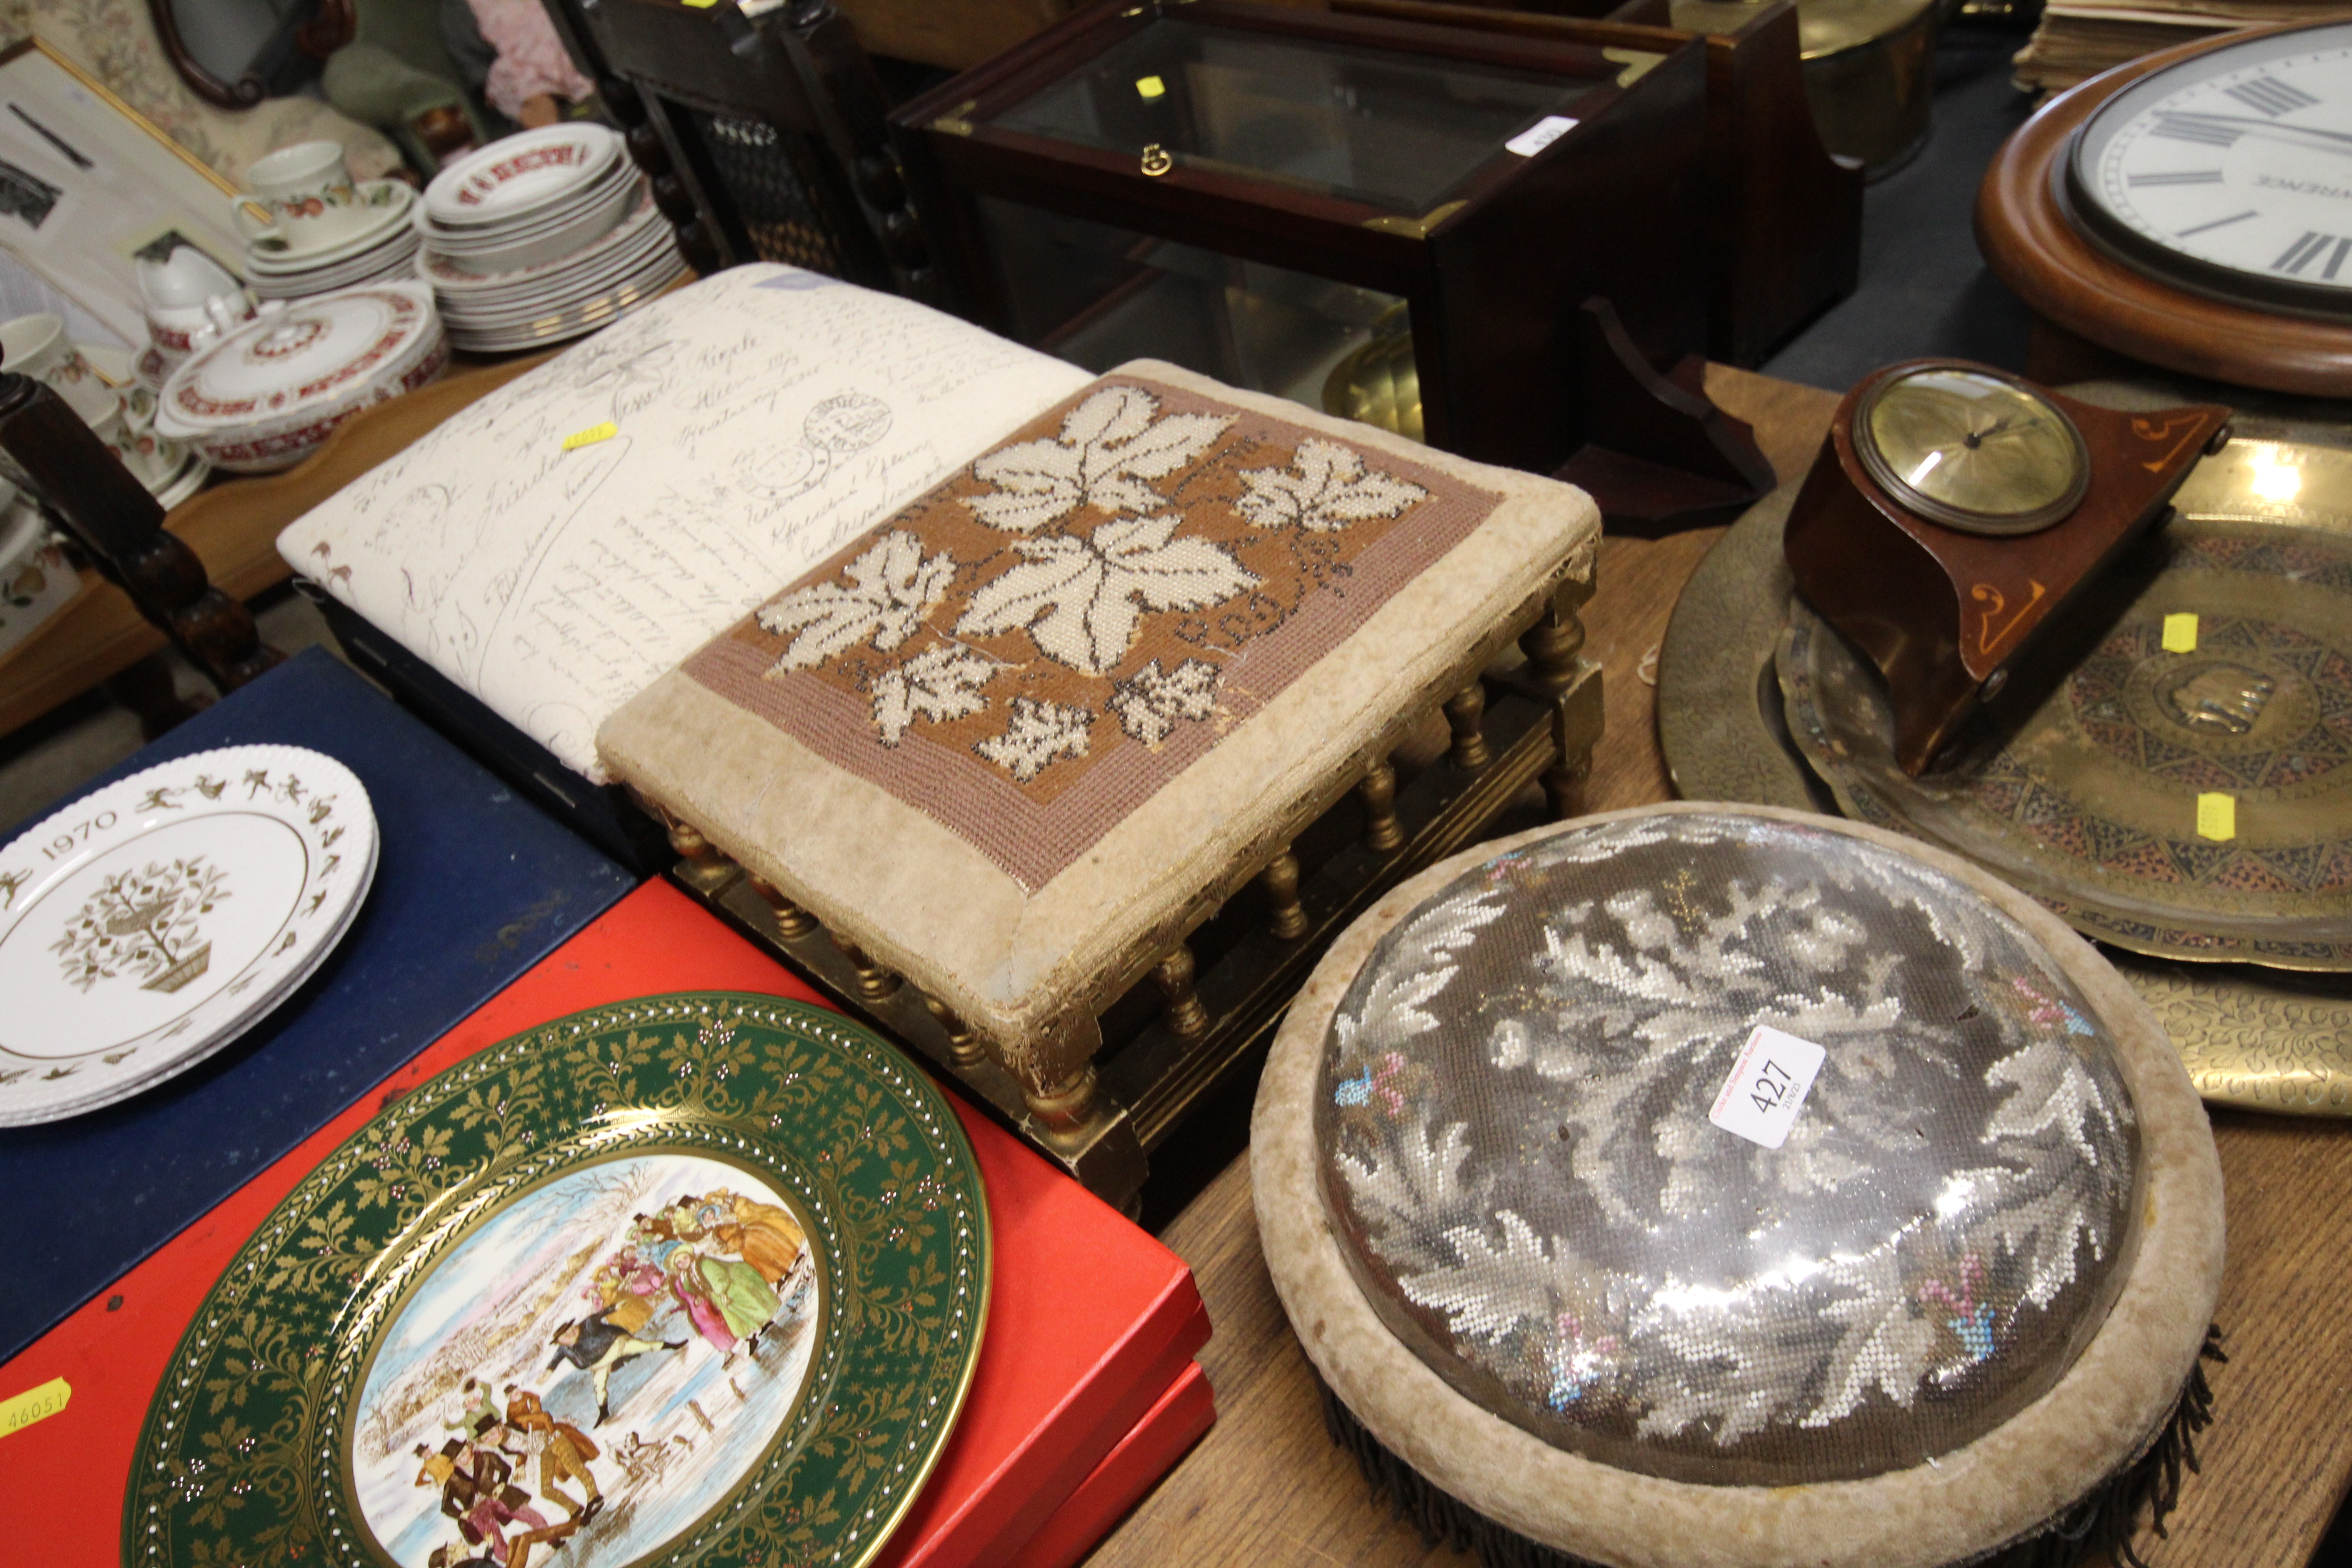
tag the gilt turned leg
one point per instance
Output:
(1383, 833)
(1559, 671)
(1186, 1017)
(1287, 916)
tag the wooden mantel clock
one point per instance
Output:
(2193, 209)
(1956, 509)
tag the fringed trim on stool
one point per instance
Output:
(2100, 1528)
(1439, 1515)
(2097, 1529)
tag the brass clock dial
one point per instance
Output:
(1972, 449)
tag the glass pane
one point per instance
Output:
(1099, 296)
(1388, 129)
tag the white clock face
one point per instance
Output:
(2232, 171)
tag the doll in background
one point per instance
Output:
(511, 58)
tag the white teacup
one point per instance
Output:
(178, 331)
(38, 346)
(303, 199)
(183, 281)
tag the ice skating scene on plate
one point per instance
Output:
(595, 1369)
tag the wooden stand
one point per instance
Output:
(113, 517)
(1661, 457)
(232, 527)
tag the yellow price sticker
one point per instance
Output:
(34, 1405)
(1151, 87)
(2217, 817)
(590, 435)
(2180, 633)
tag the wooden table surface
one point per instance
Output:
(1266, 1486)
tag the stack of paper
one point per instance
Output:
(2080, 38)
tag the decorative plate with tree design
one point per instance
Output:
(697, 1279)
(151, 922)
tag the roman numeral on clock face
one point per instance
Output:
(2310, 248)
(2271, 96)
(2202, 128)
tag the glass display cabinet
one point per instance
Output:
(1388, 220)
(1783, 213)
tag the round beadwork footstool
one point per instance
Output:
(1702, 1185)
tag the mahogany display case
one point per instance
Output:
(1327, 207)
(1783, 214)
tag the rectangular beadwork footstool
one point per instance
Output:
(991, 768)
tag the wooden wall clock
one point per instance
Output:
(2193, 209)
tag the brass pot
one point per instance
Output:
(1867, 65)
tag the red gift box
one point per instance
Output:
(1086, 1391)
(1183, 1413)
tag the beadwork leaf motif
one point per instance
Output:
(891, 588)
(938, 684)
(1080, 599)
(2005, 1119)
(1110, 445)
(1326, 488)
(1038, 734)
(1150, 702)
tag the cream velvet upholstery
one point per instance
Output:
(757, 420)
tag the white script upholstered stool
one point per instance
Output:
(540, 558)
(1019, 742)
(1717, 1187)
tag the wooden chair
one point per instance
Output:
(765, 138)
(102, 637)
(113, 518)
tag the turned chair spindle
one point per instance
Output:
(109, 513)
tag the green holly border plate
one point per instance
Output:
(246, 1456)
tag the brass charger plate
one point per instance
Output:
(699, 1279)
(2251, 1038)
(2093, 806)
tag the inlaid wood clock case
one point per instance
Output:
(1953, 617)
(2033, 245)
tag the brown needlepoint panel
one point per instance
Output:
(1544, 1119)
(1040, 644)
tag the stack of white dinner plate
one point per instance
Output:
(384, 249)
(153, 922)
(542, 237)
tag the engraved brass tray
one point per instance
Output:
(2251, 1037)
(2092, 806)
(696, 1280)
